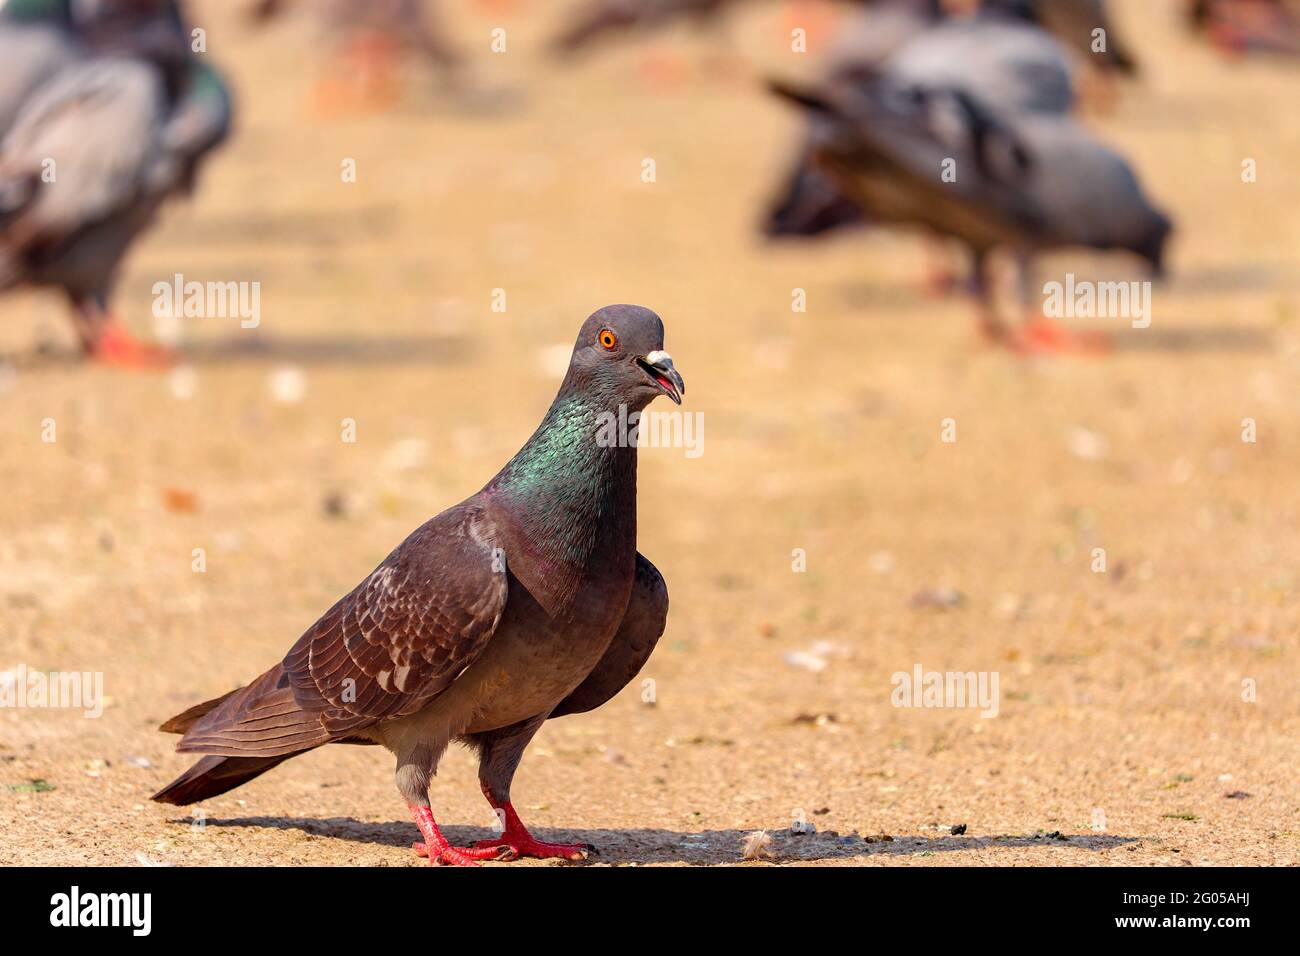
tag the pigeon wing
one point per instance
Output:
(408, 630)
(643, 625)
(98, 122)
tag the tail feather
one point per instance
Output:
(260, 720)
(182, 722)
(213, 776)
(241, 734)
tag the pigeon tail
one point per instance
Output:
(213, 776)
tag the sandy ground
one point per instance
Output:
(1121, 725)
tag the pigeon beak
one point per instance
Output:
(659, 366)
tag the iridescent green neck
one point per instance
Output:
(570, 495)
(562, 453)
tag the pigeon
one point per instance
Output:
(526, 601)
(92, 156)
(1036, 183)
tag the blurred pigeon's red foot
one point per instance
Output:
(116, 346)
(444, 852)
(1041, 336)
(522, 843)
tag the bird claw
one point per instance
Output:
(464, 855)
(537, 850)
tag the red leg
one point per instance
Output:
(444, 852)
(522, 843)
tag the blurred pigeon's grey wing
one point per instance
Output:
(1090, 192)
(1010, 65)
(888, 148)
(643, 624)
(85, 142)
(31, 54)
(385, 650)
(871, 36)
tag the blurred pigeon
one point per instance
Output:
(371, 38)
(1239, 27)
(528, 600)
(86, 165)
(1037, 183)
(599, 19)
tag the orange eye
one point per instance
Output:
(608, 340)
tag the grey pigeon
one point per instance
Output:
(87, 163)
(526, 601)
(1038, 183)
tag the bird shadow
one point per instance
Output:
(312, 351)
(334, 350)
(1194, 340)
(701, 848)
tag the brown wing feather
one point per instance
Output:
(398, 639)
(643, 624)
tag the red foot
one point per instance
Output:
(1041, 336)
(466, 855)
(444, 852)
(116, 346)
(523, 845)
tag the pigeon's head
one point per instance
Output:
(620, 357)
